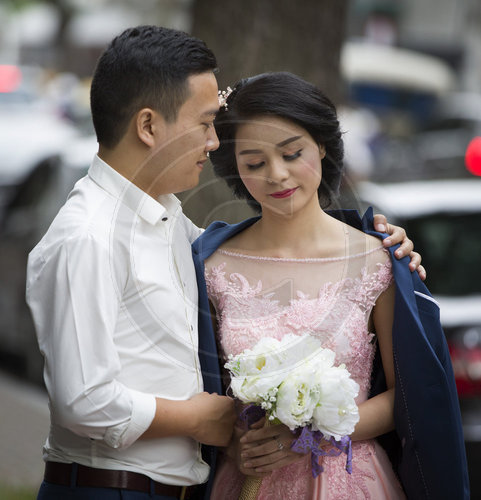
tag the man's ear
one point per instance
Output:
(322, 151)
(149, 124)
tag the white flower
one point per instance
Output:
(258, 370)
(336, 413)
(295, 381)
(254, 389)
(296, 399)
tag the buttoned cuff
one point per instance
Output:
(143, 413)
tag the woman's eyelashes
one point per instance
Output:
(292, 157)
(254, 166)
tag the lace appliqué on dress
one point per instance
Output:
(292, 481)
(337, 316)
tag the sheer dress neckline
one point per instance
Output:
(300, 260)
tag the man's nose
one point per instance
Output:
(212, 142)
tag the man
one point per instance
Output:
(112, 286)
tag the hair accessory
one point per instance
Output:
(223, 95)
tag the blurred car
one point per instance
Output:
(387, 78)
(32, 133)
(443, 218)
(34, 199)
(441, 142)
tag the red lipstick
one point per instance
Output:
(284, 194)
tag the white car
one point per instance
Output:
(443, 218)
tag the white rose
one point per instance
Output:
(254, 389)
(296, 398)
(255, 372)
(337, 413)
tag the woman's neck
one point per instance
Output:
(307, 233)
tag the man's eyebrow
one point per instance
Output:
(211, 112)
(280, 145)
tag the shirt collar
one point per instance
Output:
(129, 194)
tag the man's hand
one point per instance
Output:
(398, 235)
(213, 418)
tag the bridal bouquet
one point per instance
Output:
(294, 380)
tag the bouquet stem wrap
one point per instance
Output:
(250, 488)
(251, 484)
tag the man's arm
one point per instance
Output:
(206, 418)
(398, 235)
(75, 305)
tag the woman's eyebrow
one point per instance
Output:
(288, 141)
(280, 145)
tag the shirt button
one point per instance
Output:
(165, 218)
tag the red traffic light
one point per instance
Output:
(473, 156)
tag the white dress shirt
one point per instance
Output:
(113, 294)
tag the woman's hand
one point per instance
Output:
(398, 235)
(266, 448)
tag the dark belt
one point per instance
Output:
(64, 474)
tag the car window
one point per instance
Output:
(449, 245)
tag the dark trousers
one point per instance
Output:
(49, 491)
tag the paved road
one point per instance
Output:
(24, 421)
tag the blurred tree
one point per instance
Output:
(66, 11)
(252, 36)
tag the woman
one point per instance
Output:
(299, 269)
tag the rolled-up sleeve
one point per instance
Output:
(143, 411)
(73, 294)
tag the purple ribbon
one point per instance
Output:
(250, 415)
(307, 441)
(310, 441)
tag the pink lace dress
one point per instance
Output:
(332, 300)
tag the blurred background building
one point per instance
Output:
(405, 75)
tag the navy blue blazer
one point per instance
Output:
(427, 447)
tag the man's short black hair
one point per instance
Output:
(287, 96)
(145, 66)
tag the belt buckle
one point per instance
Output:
(183, 492)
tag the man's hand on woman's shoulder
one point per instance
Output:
(398, 235)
